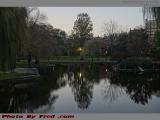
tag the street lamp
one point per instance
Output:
(79, 50)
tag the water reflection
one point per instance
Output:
(82, 87)
(82, 80)
(140, 87)
(26, 99)
(111, 92)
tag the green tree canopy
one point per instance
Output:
(12, 33)
(82, 30)
(46, 41)
(92, 48)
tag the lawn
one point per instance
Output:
(11, 75)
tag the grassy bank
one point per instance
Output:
(130, 62)
(23, 63)
(11, 75)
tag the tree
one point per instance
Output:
(111, 27)
(34, 17)
(156, 50)
(43, 41)
(92, 48)
(47, 41)
(111, 30)
(157, 36)
(153, 13)
(120, 46)
(138, 44)
(82, 31)
(12, 33)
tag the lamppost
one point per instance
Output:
(80, 50)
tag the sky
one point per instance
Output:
(64, 17)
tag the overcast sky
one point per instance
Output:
(64, 17)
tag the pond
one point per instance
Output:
(84, 88)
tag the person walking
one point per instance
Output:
(29, 59)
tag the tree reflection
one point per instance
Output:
(81, 87)
(82, 90)
(139, 87)
(112, 91)
(81, 78)
(22, 100)
(27, 100)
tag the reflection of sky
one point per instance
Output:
(123, 104)
(64, 17)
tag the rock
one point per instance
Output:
(23, 85)
(27, 70)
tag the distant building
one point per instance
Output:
(151, 28)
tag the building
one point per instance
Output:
(151, 28)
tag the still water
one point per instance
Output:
(84, 89)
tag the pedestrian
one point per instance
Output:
(29, 59)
